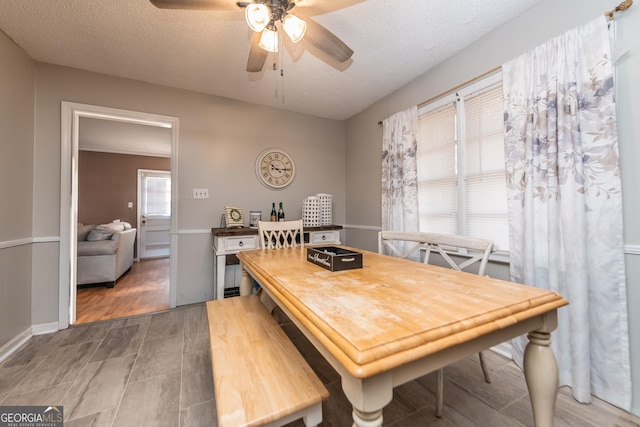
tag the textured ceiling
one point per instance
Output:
(206, 51)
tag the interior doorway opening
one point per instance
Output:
(71, 113)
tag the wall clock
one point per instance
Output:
(275, 168)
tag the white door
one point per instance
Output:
(154, 213)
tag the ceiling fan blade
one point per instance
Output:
(195, 4)
(257, 55)
(326, 41)
(320, 7)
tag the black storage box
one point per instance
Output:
(333, 258)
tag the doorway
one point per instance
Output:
(71, 113)
(154, 213)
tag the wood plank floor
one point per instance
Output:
(144, 289)
(155, 370)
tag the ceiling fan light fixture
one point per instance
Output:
(269, 39)
(294, 27)
(258, 16)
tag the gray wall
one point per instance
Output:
(17, 75)
(548, 19)
(219, 140)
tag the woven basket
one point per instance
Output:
(311, 212)
(326, 208)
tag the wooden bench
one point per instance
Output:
(259, 376)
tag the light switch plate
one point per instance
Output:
(200, 193)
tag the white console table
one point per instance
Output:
(227, 242)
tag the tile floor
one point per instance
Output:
(154, 370)
(151, 370)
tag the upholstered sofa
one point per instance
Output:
(105, 252)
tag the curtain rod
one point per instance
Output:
(453, 89)
(626, 4)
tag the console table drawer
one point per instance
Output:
(317, 237)
(241, 243)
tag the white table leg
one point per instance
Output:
(368, 396)
(246, 287)
(541, 373)
(367, 419)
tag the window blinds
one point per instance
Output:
(461, 177)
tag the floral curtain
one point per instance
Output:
(565, 207)
(399, 172)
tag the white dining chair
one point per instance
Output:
(470, 250)
(275, 235)
(280, 234)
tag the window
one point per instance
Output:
(461, 167)
(157, 200)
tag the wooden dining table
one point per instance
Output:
(395, 320)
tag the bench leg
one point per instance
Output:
(312, 417)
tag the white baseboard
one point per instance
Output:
(18, 341)
(44, 328)
(9, 348)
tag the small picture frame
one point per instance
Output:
(233, 217)
(254, 217)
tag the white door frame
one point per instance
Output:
(71, 113)
(142, 172)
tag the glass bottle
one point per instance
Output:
(280, 213)
(274, 216)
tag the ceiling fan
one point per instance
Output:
(264, 17)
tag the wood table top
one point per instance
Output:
(392, 311)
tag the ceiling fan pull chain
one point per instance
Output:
(275, 81)
(282, 84)
(281, 57)
(281, 53)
